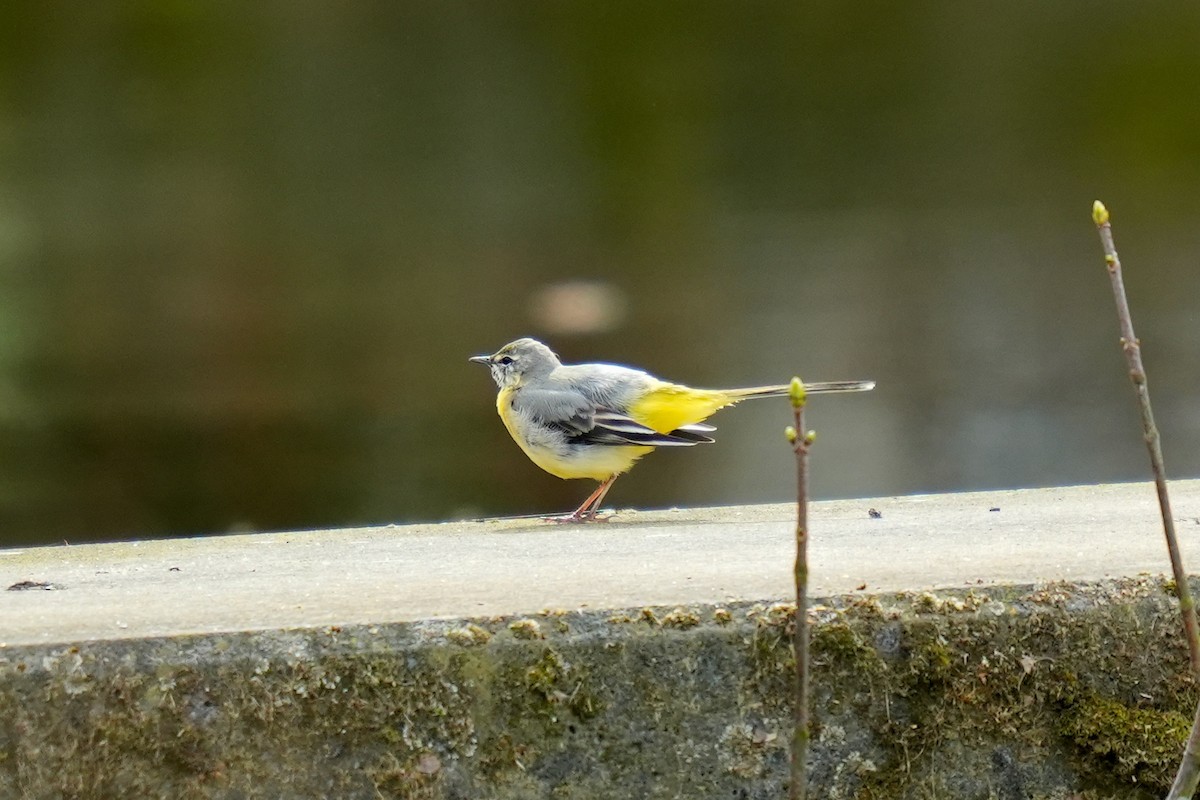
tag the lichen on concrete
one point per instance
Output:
(1038, 693)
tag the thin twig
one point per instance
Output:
(800, 441)
(1188, 776)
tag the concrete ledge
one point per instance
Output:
(646, 657)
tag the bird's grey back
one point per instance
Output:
(605, 385)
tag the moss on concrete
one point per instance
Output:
(1046, 692)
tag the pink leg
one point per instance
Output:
(587, 511)
(599, 497)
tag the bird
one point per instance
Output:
(596, 420)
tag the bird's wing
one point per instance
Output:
(566, 410)
(655, 404)
(586, 422)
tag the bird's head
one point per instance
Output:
(518, 361)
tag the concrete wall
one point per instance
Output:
(1061, 689)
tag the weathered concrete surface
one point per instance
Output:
(644, 657)
(460, 569)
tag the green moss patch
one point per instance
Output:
(1031, 692)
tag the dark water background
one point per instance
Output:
(246, 248)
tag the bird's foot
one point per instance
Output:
(569, 519)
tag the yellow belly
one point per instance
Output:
(598, 462)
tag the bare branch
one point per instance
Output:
(800, 440)
(1188, 775)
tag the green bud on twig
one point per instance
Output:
(796, 393)
(1099, 213)
(810, 437)
(790, 433)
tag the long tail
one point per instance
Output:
(821, 387)
(670, 406)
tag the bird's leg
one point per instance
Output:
(587, 511)
(597, 498)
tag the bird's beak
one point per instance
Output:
(480, 359)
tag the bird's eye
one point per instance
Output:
(506, 360)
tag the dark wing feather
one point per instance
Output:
(612, 427)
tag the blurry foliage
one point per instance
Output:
(245, 249)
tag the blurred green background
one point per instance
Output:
(246, 248)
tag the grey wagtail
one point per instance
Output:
(596, 420)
